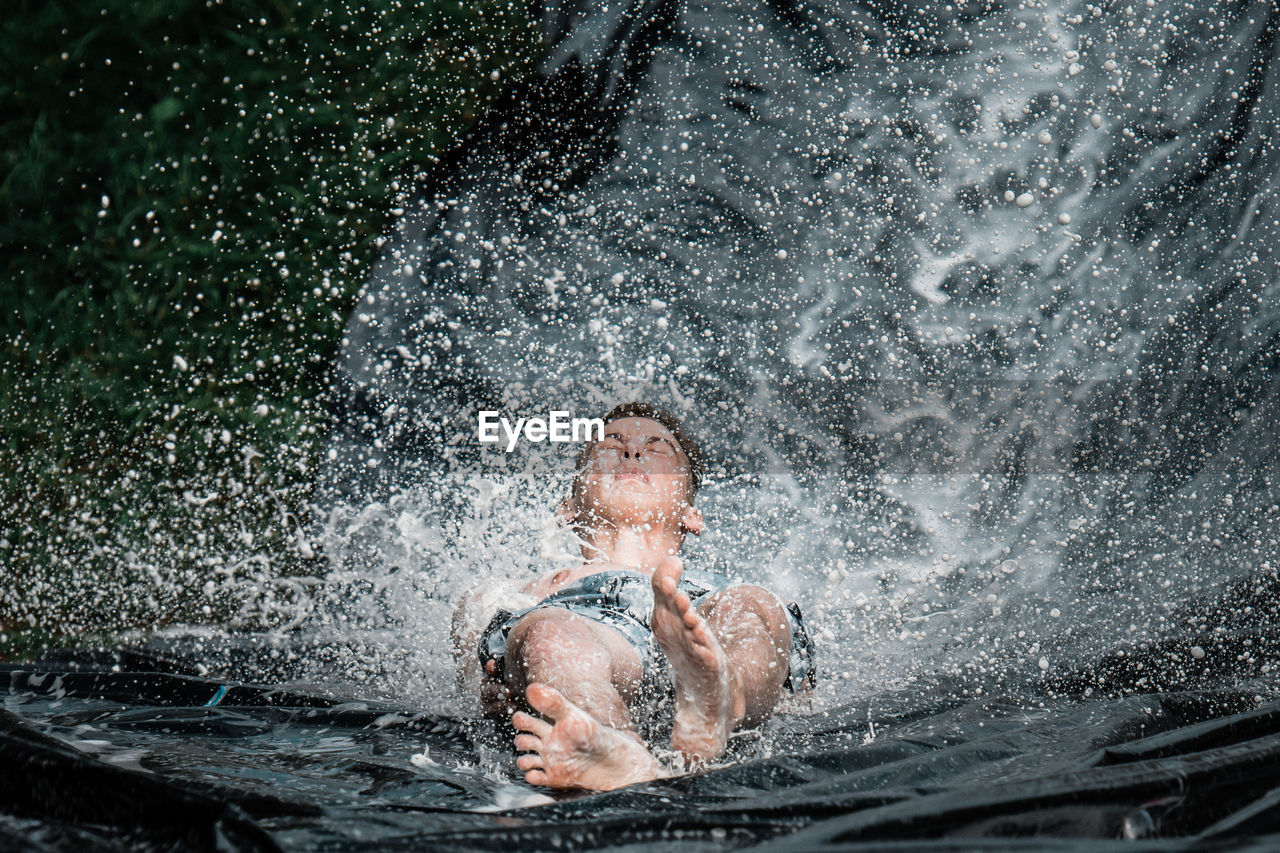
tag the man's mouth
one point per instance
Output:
(630, 475)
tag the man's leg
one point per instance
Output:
(752, 627)
(577, 674)
(729, 658)
(591, 664)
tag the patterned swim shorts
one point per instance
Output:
(623, 600)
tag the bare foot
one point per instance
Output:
(575, 750)
(704, 703)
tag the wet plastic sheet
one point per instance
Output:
(101, 759)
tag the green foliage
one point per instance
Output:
(192, 192)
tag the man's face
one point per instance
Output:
(636, 474)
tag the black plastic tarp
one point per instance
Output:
(98, 758)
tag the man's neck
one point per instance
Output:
(637, 546)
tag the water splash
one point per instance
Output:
(972, 304)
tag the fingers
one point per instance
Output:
(532, 761)
(495, 696)
(536, 777)
(493, 675)
(497, 711)
(495, 700)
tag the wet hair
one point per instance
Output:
(688, 444)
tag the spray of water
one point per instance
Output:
(972, 304)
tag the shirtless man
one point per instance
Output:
(585, 654)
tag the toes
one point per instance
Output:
(667, 576)
(700, 636)
(527, 723)
(547, 700)
(678, 601)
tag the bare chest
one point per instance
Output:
(553, 582)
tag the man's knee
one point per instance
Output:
(552, 638)
(747, 604)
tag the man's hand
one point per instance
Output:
(495, 697)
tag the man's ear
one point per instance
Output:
(566, 513)
(691, 520)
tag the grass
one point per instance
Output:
(192, 192)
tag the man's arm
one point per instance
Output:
(472, 615)
(469, 620)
